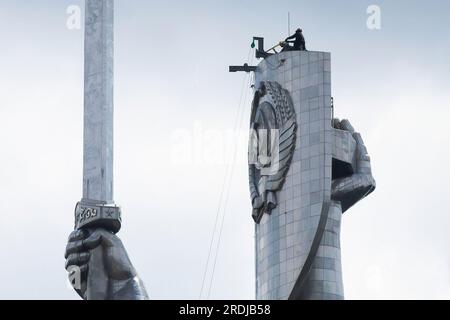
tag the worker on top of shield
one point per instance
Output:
(297, 39)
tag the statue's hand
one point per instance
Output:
(349, 190)
(121, 277)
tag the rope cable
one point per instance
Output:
(238, 112)
(227, 193)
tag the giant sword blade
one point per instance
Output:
(97, 208)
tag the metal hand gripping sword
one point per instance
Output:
(97, 209)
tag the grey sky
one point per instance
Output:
(171, 75)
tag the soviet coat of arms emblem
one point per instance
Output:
(273, 128)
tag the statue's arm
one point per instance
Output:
(99, 267)
(352, 189)
(131, 289)
(349, 190)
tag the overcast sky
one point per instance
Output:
(172, 89)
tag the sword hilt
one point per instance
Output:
(92, 216)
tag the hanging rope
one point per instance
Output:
(229, 179)
(225, 189)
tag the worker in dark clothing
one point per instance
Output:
(298, 41)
